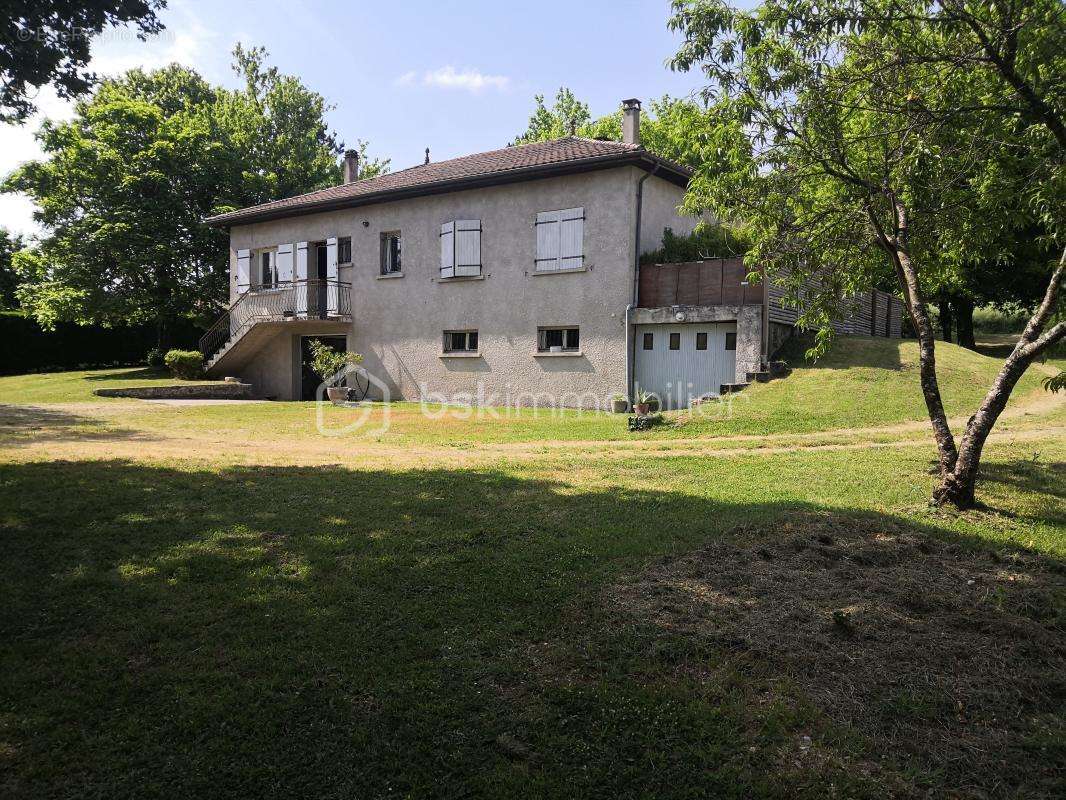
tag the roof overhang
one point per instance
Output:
(667, 170)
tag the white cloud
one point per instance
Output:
(448, 77)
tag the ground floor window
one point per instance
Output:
(565, 339)
(730, 341)
(649, 341)
(460, 341)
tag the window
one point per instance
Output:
(267, 274)
(390, 253)
(344, 250)
(730, 341)
(649, 341)
(566, 339)
(460, 341)
(560, 237)
(460, 248)
(675, 341)
(701, 341)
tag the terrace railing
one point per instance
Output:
(306, 299)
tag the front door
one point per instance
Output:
(682, 362)
(309, 379)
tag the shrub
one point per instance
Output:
(185, 364)
(326, 362)
(154, 357)
(707, 241)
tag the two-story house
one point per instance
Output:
(507, 277)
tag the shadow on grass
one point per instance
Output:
(279, 632)
(20, 425)
(144, 373)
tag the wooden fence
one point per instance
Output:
(723, 281)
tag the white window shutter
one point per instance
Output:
(547, 241)
(301, 277)
(331, 259)
(467, 247)
(244, 270)
(284, 263)
(571, 238)
(447, 250)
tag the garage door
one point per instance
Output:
(679, 363)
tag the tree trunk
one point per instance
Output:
(957, 486)
(945, 320)
(898, 250)
(962, 311)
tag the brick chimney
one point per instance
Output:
(631, 121)
(351, 166)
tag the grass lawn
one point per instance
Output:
(529, 607)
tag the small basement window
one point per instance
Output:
(344, 250)
(701, 341)
(391, 260)
(566, 339)
(731, 341)
(649, 341)
(460, 341)
(675, 341)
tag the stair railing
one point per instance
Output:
(305, 299)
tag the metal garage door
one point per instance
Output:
(679, 363)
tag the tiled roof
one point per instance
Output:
(508, 163)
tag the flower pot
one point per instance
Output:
(642, 409)
(555, 348)
(337, 394)
(620, 406)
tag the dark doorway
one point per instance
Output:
(316, 294)
(309, 381)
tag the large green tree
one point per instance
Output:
(889, 136)
(670, 127)
(126, 184)
(47, 42)
(9, 245)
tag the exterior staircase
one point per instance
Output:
(256, 316)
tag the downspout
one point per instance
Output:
(765, 355)
(630, 339)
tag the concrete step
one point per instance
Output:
(732, 388)
(762, 376)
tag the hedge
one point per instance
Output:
(24, 347)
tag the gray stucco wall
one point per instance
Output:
(399, 321)
(659, 210)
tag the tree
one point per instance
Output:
(672, 128)
(566, 117)
(9, 245)
(127, 183)
(889, 135)
(47, 42)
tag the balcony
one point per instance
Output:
(315, 299)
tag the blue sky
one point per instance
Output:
(455, 77)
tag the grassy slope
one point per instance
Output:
(861, 382)
(200, 628)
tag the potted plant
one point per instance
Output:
(329, 365)
(619, 403)
(642, 406)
